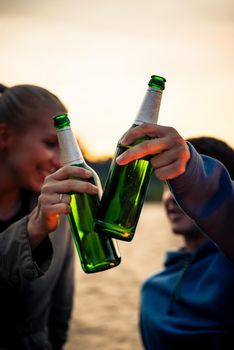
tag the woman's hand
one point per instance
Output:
(170, 152)
(54, 200)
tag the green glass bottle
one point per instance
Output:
(96, 251)
(126, 186)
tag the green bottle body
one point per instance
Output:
(123, 198)
(126, 186)
(96, 252)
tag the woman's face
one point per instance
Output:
(33, 154)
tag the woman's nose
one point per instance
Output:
(56, 160)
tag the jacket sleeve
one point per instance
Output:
(18, 264)
(206, 193)
(62, 299)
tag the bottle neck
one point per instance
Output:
(69, 148)
(149, 109)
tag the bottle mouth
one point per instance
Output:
(157, 81)
(61, 120)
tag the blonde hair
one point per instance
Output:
(19, 104)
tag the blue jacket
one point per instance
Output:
(190, 304)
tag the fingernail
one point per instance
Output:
(119, 159)
(88, 173)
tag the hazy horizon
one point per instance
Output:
(98, 56)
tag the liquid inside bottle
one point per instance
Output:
(120, 208)
(96, 252)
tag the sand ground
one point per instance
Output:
(106, 304)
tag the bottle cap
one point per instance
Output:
(157, 81)
(61, 120)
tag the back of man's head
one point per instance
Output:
(215, 148)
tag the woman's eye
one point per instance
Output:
(51, 144)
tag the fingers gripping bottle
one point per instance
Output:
(126, 185)
(96, 251)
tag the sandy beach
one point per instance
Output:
(106, 304)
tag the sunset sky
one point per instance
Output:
(98, 56)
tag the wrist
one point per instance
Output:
(36, 233)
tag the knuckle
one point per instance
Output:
(45, 188)
(147, 146)
(43, 198)
(176, 139)
(170, 130)
(88, 186)
(47, 178)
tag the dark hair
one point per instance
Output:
(21, 105)
(215, 148)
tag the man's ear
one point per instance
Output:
(5, 136)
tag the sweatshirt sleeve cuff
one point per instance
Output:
(194, 167)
